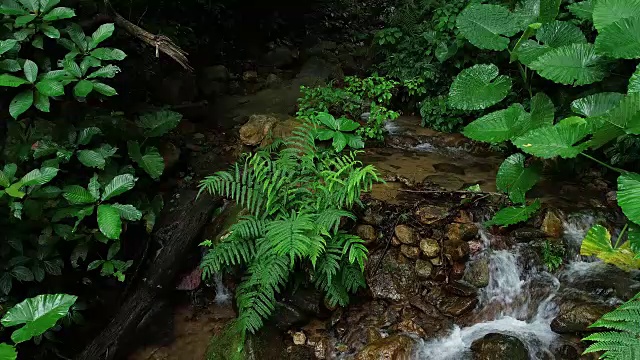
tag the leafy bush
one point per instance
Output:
(295, 199)
(365, 98)
(437, 114)
(552, 255)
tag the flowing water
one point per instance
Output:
(519, 301)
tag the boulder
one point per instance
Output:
(477, 273)
(576, 316)
(430, 214)
(367, 233)
(287, 315)
(281, 130)
(395, 347)
(391, 276)
(412, 252)
(423, 268)
(256, 129)
(461, 288)
(250, 76)
(430, 248)
(273, 81)
(457, 305)
(216, 73)
(499, 347)
(280, 57)
(462, 232)
(456, 250)
(406, 235)
(552, 225)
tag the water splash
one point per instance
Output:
(223, 295)
(504, 279)
(575, 229)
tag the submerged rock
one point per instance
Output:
(394, 278)
(577, 317)
(406, 234)
(477, 273)
(499, 347)
(395, 347)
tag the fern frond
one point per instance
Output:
(353, 278)
(336, 293)
(353, 247)
(330, 218)
(230, 252)
(621, 344)
(290, 236)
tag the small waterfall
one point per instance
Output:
(575, 229)
(504, 279)
(223, 296)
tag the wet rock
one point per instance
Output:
(287, 315)
(602, 281)
(250, 76)
(317, 71)
(280, 57)
(430, 248)
(449, 168)
(395, 241)
(209, 88)
(216, 73)
(372, 216)
(457, 270)
(410, 327)
(367, 233)
(461, 288)
(299, 338)
(299, 353)
(462, 232)
(268, 343)
(281, 130)
(576, 317)
(457, 306)
(190, 281)
(395, 347)
(499, 347)
(423, 268)
(406, 235)
(552, 225)
(394, 278)
(309, 301)
(477, 273)
(321, 47)
(412, 252)
(445, 181)
(430, 214)
(456, 251)
(437, 261)
(527, 234)
(320, 344)
(254, 131)
(273, 80)
(567, 352)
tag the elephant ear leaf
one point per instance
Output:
(629, 195)
(8, 352)
(478, 87)
(515, 179)
(38, 314)
(488, 26)
(598, 243)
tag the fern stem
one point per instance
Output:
(602, 163)
(624, 229)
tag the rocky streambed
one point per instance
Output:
(441, 286)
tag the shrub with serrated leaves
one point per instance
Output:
(296, 198)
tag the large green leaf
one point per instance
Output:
(50, 87)
(562, 140)
(128, 212)
(41, 102)
(515, 179)
(513, 215)
(598, 243)
(90, 158)
(30, 70)
(582, 10)
(575, 64)
(634, 81)
(108, 54)
(618, 121)
(39, 177)
(101, 34)
(596, 104)
(120, 184)
(77, 195)
(507, 124)
(108, 71)
(629, 195)
(560, 33)
(606, 12)
(11, 7)
(151, 162)
(158, 123)
(11, 81)
(8, 352)
(59, 13)
(488, 26)
(542, 111)
(104, 89)
(620, 40)
(83, 88)
(109, 221)
(21, 103)
(38, 314)
(478, 87)
(85, 135)
(47, 5)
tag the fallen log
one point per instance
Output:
(176, 235)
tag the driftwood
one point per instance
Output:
(160, 43)
(176, 235)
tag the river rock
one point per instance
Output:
(250, 76)
(436, 261)
(395, 277)
(456, 250)
(367, 233)
(461, 288)
(273, 81)
(256, 129)
(430, 248)
(499, 347)
(373, 216)
(527, 234)
(281, 130)
(430, 214)
(462, 232)
(395, 347)
(552, 225)
(216, 73)
(406, 235)
(576, 317)
(287, 315)
(412, 252)
(477, 273)
(457, 306)
(423, 268)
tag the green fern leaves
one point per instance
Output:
(622, 342)
(515, 179)
(488, 26)
(478, 87)
(575, 64)
(634, 81)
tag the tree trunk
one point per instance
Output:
(176, 235)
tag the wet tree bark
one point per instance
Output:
(176, 235)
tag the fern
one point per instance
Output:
(296, 198)
(624, 342)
